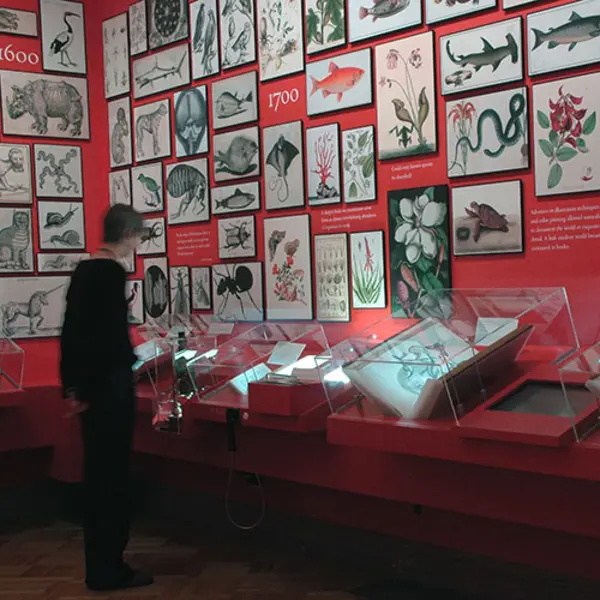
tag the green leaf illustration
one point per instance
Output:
(553, 137)
(394, 209)
(430, 282)
(543, 120)
(368, 166)
(423, 107)
(423, 264)
(554, 176)
(589, 124)
(363, 139)
(582, 146)
(546, 147)
(353, 190)
(312, 26)
(566, 153)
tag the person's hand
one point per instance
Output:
(75, 406)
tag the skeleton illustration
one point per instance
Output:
(119, 132)
(32, 310)
(150, 123)
(15, 163)
(62, 181)
(158, 72)
(15, 241)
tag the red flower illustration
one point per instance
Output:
(566, 118)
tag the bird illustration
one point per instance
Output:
(199, 30)
(63, 41)
(209, 38)
(152, 189)
(228, 8)
(241, 43)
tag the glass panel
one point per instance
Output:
(12, 364)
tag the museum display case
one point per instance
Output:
(12, 364)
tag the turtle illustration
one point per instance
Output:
(487, 217)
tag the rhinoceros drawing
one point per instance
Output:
(44, 99)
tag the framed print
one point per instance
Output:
(147, 188)
(156, 286)
(19, 22)
(324, 25)
(154, 239)
(241, 197)
(343, 81)
(152, 124)
(323, 164)
(436, 11)
(61, 225)
(406, 97)
(15, 174)
(236, 154)
(201, 288)
(134, 294)
(367, 259)
(476, 138)
(19, 294)
(119, 187)
(237, 237)
(168, 22)
(138, 28)
(283, 154)
(515, 3)
(115, 43)
(161, 71)
(366, 21)
(191, 122)
(119, 131)
(187, 192)
(235, 100)
(491, 227)
(204, 37)
(419, 231)
(128, 263)
(58, 171)
(331, 277)
(247, 303)
(181, 302)
(563, 37)
(64, 113)
(358, 160)
(63, 36)
(16, 240)
(566, 136)
(288, 268)
(60, 262)
(481, 57)
(238, 39)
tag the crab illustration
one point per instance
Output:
(487, 217)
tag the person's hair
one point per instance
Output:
(119, 221)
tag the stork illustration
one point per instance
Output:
(63, 41)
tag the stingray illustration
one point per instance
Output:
(280, 157)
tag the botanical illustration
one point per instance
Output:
(368, 269)
(191, 122)
(325, 25)
(119, 131)
(201, 288)
(235, 100)
(154, 238)
(152, 125)
(16, 240)
(343, 81)
(161, 71)
(63, 36)
(491, 227)
(32, 307)
(115, 44)
(238, 39)
(187, 192)
(237, 237)
(566, 135)
(61, 225)
(15, 174)
(288, 268)
(147, 188)
(370, 19)
(204, 38)
(483, 56)
(58, 171)
(358, 159)
(18, 22)
(564, 37)
(235, 198)
(119, 187)
(156, 287)
(167, 22)
(280, 38)
(419, 251)
(60, 109)
(237, 291)
(406, 97)
(323, 148)
(235, 154)
(134, 293)
(138, 28)
(181, 302)
(442, 10)
(284, 165)
(60, 262)
(331, 284)
(487, 134)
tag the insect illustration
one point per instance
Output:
(236, 238)
(180, 290)
(56, 219)
(152, 234)
(201, 298)
(235, 284)
(69, 238)
(189, 184)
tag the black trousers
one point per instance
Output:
(107, 430)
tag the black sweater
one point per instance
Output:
(95, 336)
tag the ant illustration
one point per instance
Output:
(241, 282)
(151, 234)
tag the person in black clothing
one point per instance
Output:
(97, 378)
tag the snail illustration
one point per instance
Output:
(69, 238)
(56, 219)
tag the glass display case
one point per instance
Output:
(12, 364)
(170, 326)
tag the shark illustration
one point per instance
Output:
(489, 56)
(576, 30)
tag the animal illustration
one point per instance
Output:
(280, 157)
(489, 56)
(239, 157)
(189, 184)
(202, 299)
(151, 189)
(56, 219)
(199, 29)
(575, 31)
(15, 241)
(119, 186)
(137, 27)
(45, 99)
(156, 291)
(190, 120)
(64, 40)
(57, 264)
(229, 105)
(119, 132)
(451, 3)
(131, 301)
(150, 123)
(15, 163)
(152, 234)
(9, 21)
(236, 46)
(337, 82)
(237, 236)
(382, 9)
(31, 310)
(57, 171)
(234, 284)
(156, 73)
(69, 238)
(181, 299)
(486, 217)
(236, 201)
(209, 51)
(168, 18)
(274, 240)
(458, 77)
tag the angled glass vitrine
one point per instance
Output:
(12, 365)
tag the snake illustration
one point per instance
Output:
(507, 136)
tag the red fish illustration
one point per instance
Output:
(338, 81)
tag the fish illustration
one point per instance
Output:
(458, 77)
(338, 81)
(238, 160)
(276, 238)
(229, 105)
(236, 201)
(575, 31)
(382, 9)
(280, 158)
(489, 56)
